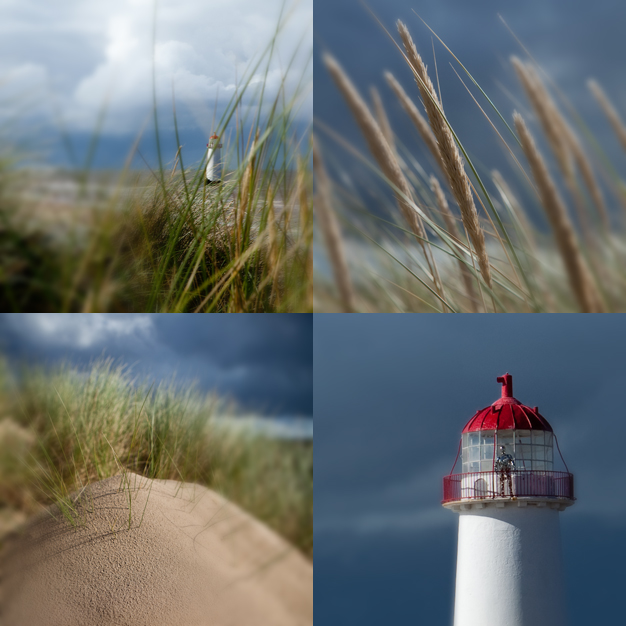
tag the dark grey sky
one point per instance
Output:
(572, 40)
(392, 394)
(262, 361)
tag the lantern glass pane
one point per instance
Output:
(538, 437)
(523, 453)
(474, 439)
(486, 437)
(522, 437)
(522, 464)
(505, 438)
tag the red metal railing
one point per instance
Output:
(523, 483)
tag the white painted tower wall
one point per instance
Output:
(214, 162)
(509, 570)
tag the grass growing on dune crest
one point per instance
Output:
(459, 239)
(167, 242)
(63, 429)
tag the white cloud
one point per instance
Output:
(90, 52)
(82, 330)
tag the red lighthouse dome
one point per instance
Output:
(507, 413)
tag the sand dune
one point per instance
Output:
(153, 553)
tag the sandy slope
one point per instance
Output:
(189, 558)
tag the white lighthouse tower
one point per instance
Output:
(214, 160)
(508, 497)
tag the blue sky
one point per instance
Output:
(392, 394)
(61, 61)
(572, 40)
(262, 361)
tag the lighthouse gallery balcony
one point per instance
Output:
(524, 483)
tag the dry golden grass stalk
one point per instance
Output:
(545, 112)
(245, 204)
(417, 118)
(551, 122)
(376, 142)
(573, 142)
(245, 199)
(609, 110)
(240, 208)
(552, 126)
(331, 231)
(577, 271)
(586, 170)
(274, 248)
(305, 209)
(450, 222)
(565, 144)
(303, 196)
(381, 116)
(452, 161)
(384, 155)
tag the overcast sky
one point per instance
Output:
(262, 361)
(392, 395)
(66, 58)
(572, 40)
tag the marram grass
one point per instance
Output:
(64, 428)
(460, 240)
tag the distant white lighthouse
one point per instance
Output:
(214, 160)
(508, 497)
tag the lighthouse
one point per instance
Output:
(214, 160)
(508, 497)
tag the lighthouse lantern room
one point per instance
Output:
(508, 495)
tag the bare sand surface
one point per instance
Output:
(152, 553)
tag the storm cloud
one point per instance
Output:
(264, 362)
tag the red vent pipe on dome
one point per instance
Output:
(507, 385)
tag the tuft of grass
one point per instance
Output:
(479, 246)
(167, 242)
(66, 428)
